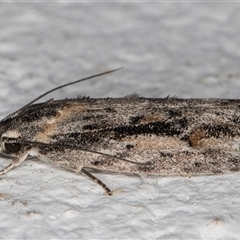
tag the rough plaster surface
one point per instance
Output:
(182, 49)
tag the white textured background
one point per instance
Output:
(182, 49)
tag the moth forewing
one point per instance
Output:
(167, 136)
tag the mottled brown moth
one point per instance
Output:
(155, 136)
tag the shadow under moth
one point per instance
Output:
(155, 136)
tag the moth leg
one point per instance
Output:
(109, 192)
(14, 163)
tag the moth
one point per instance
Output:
(155, 136)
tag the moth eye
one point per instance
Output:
(12, 147)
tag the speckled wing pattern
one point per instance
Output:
(173, 136)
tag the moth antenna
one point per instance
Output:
(59, 87)
(82, 149)
(71, 83)
(108, 155)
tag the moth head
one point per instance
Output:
(11, 143)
